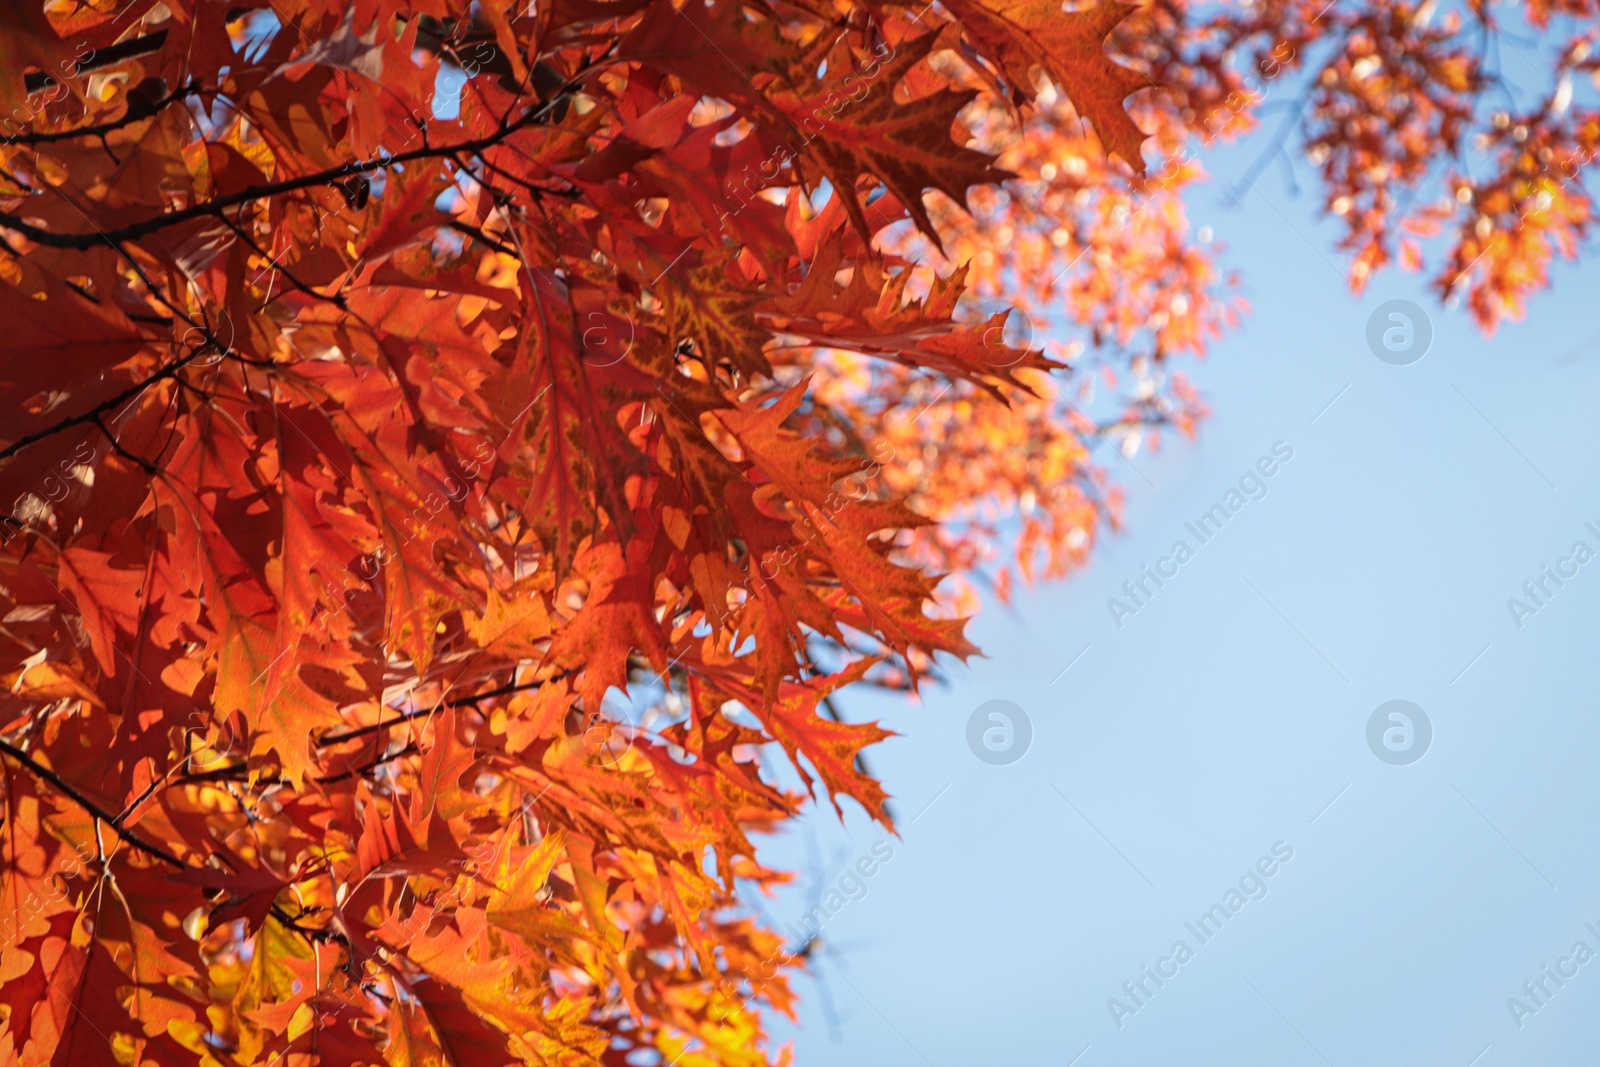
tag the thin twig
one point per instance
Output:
(129, 117)
(252, 193)
(71, 793)
(458, 702)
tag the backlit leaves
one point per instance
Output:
(443, 449)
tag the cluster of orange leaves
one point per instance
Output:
(385, 392)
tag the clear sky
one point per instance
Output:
(1230, 715)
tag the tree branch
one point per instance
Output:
(362, 731)
(94, 413)
(355, 772)
(134, 231)
(135, 112)
(101, 57)
(67, 790)
(478, 235)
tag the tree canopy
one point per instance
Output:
(447, 448)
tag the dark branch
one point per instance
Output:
(101, 57)
(67, 790)
(82, 241)
(478, 235)
(136, 111)
(356, 772)
(94, 413)
(458, 702)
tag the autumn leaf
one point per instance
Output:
(1069, 46)
(29, 40)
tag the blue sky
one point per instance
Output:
(1230, 714)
